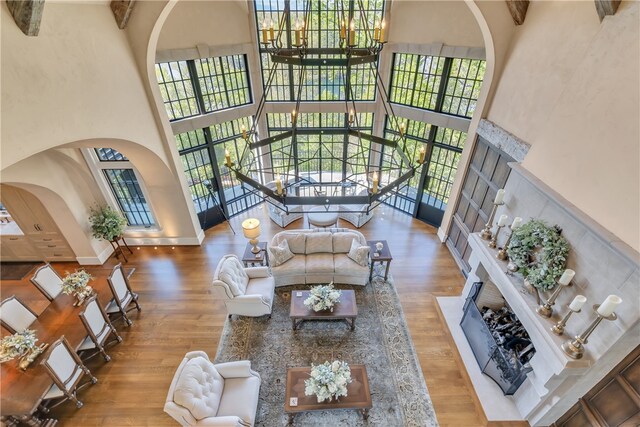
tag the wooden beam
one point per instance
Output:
(606, 7)
(518, 9)
(27, 14)
(122, 11)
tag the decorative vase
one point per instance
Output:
(31, 355)
(528, 286)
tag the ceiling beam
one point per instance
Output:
(122, 11)
(518, 10)
(606, 7)
(27, 14)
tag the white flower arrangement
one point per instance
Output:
(323, 297)
(76, 283)
(17, 345)
(328, 381)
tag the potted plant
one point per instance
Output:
(106, 223)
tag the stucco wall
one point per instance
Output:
(570, 88)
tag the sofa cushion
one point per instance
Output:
(342, 242)
(296, 242)
(232, 273)
(262, 286)
(319, 243)
(343, 265)
(295, 265)
(319, 263)
(199, 388)
(240, 398)
(359, 253)
(280, 254)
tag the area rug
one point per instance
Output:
(381, 341)
(16, 270)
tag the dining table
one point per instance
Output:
(21, 391)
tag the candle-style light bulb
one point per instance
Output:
(343, 29)
(376, 31)
(351, 116)
(244, 131)
(352, 33)
(271, 31)
(374, 188)
(264, 32)
(227, 157)
(402, 127)
(382, 25)
(293, 116)
(298, 33)
(423, 153)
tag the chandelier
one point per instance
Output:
(287, 42)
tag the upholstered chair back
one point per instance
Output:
(15, 316)
(230, 277)
(118, 283)
(199, 388)
(47, 280)
(62, 365)
(94, 318)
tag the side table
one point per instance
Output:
(249, 259)
(383, 257)
(117, 247)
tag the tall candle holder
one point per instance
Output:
(494, 240)
(502, 253)
(485, 234)
(558, 328)
(546, 309)
(575, 348)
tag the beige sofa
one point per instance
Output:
(320, 256)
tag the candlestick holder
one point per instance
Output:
(485, 234)
(575, 348)
(546, 309)
(558, 328)
(494, 240)
(502, 253)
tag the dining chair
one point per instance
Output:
(67, 371)
(47, 281)
(123, 296)
(15, 316)
(99, 327)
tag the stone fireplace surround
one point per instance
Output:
(604, 265)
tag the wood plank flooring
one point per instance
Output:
(179, 315)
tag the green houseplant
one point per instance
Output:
(106, 223)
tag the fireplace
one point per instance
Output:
(500, 343)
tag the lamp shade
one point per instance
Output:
(251, 228)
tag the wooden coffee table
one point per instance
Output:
(345, 309)
(358, 394)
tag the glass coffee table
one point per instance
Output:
(345, 309)
(358, 394)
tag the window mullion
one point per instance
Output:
(195, 83)
(444, 79)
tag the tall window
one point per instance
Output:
(199, 86)
(203, 155)
(445, 85)
(319, 83)
(125, 187)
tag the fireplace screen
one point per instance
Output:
(499, 342)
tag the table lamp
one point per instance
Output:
(251, 230)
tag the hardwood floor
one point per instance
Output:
(179, 315)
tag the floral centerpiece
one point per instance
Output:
(77, 284)
(328, 381)
(22, 345)
(323, 297)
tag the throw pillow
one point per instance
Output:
(358, 253)
(296, 242)
(280, 254)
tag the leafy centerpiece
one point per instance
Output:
(539, 252)
(77, 284)
(328, 381)
(323, 297)
(21, 345)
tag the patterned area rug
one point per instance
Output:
(380, 341)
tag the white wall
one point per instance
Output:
(570, 88)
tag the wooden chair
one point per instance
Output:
(67, 371)
(123, 296)
(99, 327)
(47, 281)
(15, 316)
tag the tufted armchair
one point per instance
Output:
(280, 214)
(245, 291)
(207, 394)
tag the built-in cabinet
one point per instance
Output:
(41, 238)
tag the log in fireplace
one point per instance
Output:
(500, 343)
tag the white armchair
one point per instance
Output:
(279, 213)
(245, 291)
(207, 394)
(355, 214)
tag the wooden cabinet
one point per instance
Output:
(42, 239)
